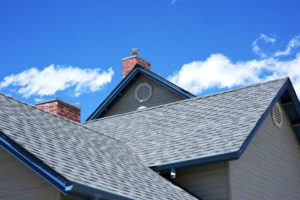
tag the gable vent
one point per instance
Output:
(277, 115)
(143, 92)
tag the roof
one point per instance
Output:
(127, 82)
(200, 130)
(76, 159)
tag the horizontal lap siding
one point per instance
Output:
(18, 182)
(270, 166)
(127, 103)
(208, 183)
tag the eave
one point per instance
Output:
(66, 187)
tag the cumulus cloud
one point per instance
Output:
(256, 48)
(57, 78)
(293, 44)
(218, 71)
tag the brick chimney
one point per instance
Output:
(61, 108)
(130, 62)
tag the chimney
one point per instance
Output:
(61, 108)
(130, 62)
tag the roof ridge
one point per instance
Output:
(184, 100)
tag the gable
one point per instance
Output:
(128, 102)
(126, 84)
(269, 167)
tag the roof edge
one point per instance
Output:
(51, 176)
(192, 163)
(258, 124)
(187, 164)
(33, 163)
(81, 189)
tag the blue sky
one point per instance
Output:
(54, 48)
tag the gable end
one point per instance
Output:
(125, 85)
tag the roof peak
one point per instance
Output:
(136, 71)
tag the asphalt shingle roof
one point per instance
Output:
(194, 128)
(82, 155)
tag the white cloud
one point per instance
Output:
(218, 71)
(255, 47)
(56, 78)
(293, 43)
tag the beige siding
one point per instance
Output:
(208, 183)
(160, 95)
(17, 182)
(269, 167)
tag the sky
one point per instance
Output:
(72, 50)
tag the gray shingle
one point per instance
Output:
(194, 128)
(82, 155)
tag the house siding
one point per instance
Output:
(160, 95)
(208, 182)
(18, 182)
(270, 166)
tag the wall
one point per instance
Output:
(160, 95)
(270, 166)
(208, 182)
(17, 182)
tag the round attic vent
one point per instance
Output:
(143, 92)
(277, 115)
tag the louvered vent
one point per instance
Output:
(277, 115)
(143, 92)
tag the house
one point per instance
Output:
(150, 139)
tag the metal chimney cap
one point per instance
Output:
(135, 51)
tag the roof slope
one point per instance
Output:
(196, 128)
(81, 155)
(127, 82)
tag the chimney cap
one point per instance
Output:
(134, 51)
